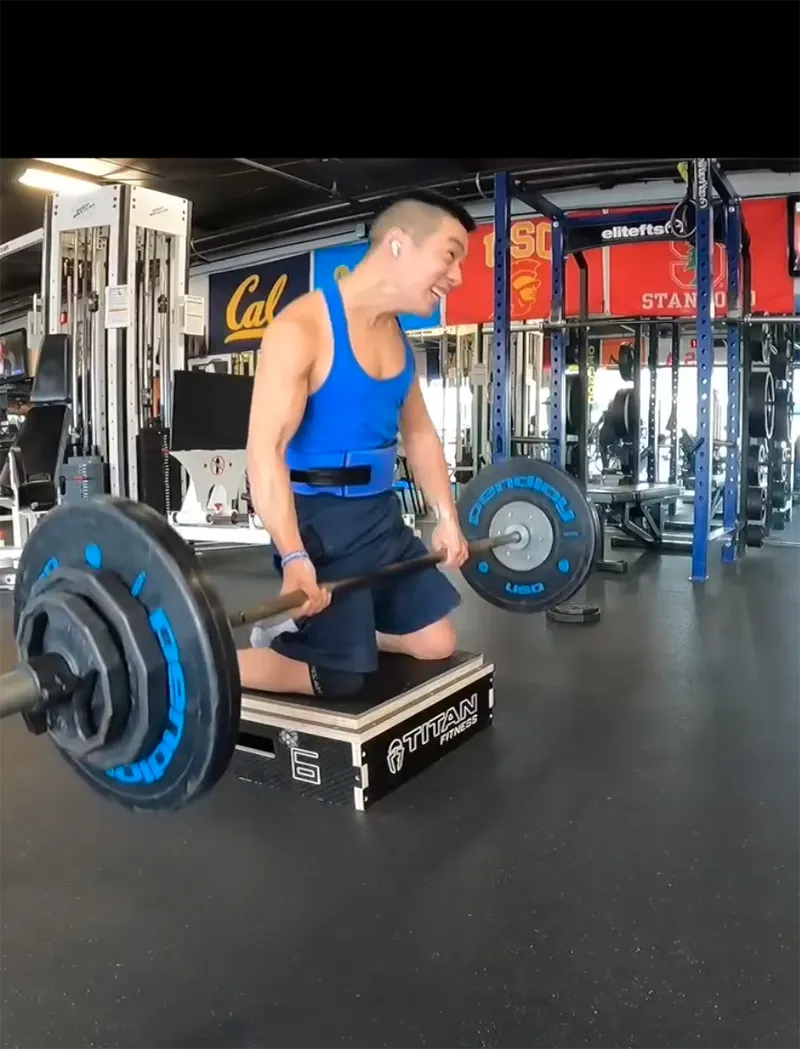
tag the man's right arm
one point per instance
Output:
(280, 391)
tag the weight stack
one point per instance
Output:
(159, 474)
(82, 477)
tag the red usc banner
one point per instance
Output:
(473, 301)
(659, 279)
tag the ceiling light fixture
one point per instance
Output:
(53, 182)
(91, 167)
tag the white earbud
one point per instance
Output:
(395, 245)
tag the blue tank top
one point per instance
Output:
(352, 419)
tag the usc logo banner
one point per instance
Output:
(531, 276)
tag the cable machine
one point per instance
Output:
(114, 278)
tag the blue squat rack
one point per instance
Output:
(570, 234)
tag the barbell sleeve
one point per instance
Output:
(37, 684)
(296, 598)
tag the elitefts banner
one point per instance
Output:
(644, 226)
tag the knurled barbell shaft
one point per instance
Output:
(286, 602)
(20, 689)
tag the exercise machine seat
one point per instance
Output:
(40, 445)
(51, 382)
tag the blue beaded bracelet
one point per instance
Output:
(295, 556)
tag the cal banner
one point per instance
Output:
(243, 303)
(333, 263)
(659, 279)
(531, 270)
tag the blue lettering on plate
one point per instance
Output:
(153, 767)
(560, 502)
(524, 589)
(50, 566)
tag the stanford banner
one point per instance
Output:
(659, 279)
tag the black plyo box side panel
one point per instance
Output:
(403, 751)
(305, 764)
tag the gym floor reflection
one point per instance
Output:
(615, 862)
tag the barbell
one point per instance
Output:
(128, 660)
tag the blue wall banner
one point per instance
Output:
(333, 262)
(242, 303)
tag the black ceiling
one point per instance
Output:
(239, 202)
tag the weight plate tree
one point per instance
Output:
(127, 658)
(573, 421)
(574, 417)
(626, 359)
(755, 512)
(757, 465)
(761, 404)
(624, 413)
(784, 410)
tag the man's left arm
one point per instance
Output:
(425, 454)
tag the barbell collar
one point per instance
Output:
(19, 691)
(295, 599)
(30, 688)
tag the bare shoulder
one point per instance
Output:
(297, 326)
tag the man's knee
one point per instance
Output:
(437, 641)
(338, 684)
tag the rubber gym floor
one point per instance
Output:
(613, 863)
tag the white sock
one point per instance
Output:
(263, 632)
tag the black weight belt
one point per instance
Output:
(332, 477)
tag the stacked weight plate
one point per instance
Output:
(781, 448)
(756, 499)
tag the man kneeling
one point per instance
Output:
(334, 384)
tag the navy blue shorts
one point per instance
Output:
(349, 537)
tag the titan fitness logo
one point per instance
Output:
(444, 727)
(644, 231)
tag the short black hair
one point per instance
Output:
(432, 200)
